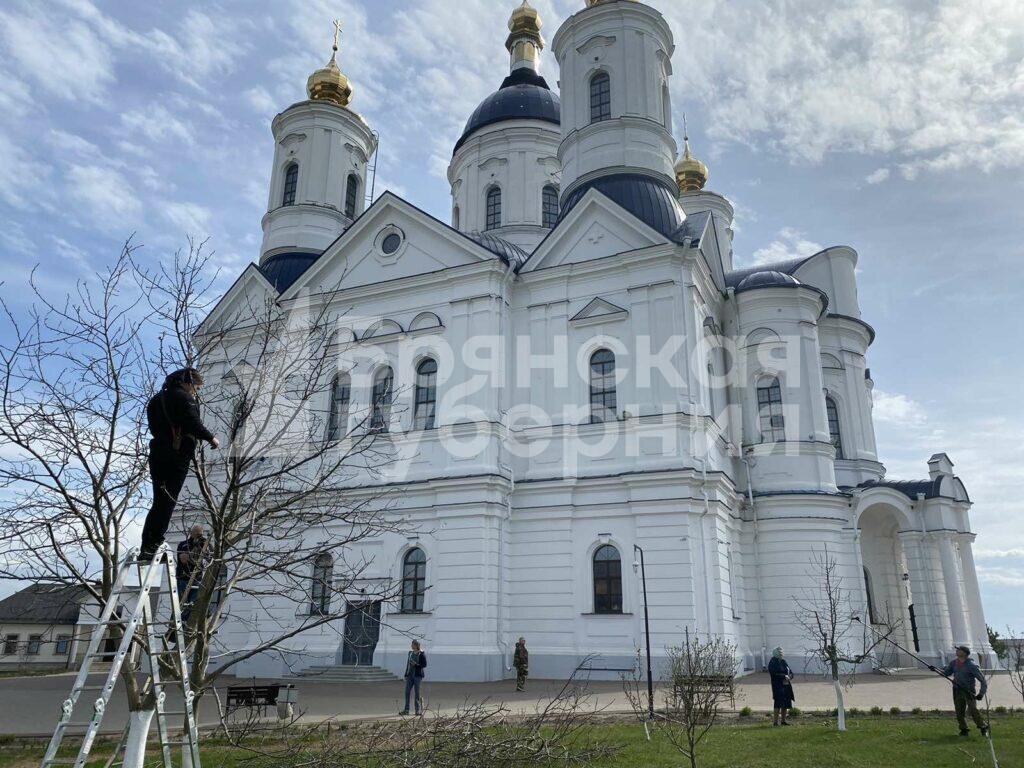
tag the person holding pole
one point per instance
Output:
(963, 673)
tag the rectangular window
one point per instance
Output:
(35, 642)
(769, 407)
(426, 395)
(603, 406)
(10, 645)
(63, 645)
(600, 98)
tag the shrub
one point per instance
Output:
(746, 712)
(853, 711)
(1000, 710)
(876, 711)
(794, 712)
(895, 711)
(917, 711)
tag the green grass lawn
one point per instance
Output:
(870, 742)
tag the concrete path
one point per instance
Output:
(29, 705)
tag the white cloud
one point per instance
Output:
(158, 124)
(985, 553)
(105, 193)
(261, 100)
(877, 177)
(789, 244)
(193, 219)
(1006, 577)
(895, 408)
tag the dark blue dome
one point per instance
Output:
(524, 95)
(284, 269)
(768, 278)
(651, 201)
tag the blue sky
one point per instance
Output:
(894, 127)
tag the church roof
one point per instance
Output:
(509, 252)
(44, 604)
(524, 95)
(909, 488)
(787, 267)
(766, 278)
(651, 201)
(283, 269)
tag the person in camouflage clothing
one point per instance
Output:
(521, 661)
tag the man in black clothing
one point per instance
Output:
(174, 422)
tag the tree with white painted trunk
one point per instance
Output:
(830, 622)
(75, 376)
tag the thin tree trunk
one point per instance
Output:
(840, 706)
(138, 735)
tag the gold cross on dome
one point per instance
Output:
(337, 32)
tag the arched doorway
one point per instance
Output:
(888, 597)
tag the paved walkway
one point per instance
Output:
(29, 705)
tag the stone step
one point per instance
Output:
(347, 674)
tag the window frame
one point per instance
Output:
(290, 191)
(339, 406)
(382, 399)
(414, 586)
(34, 646)
(606, 604)
(64, 640)
(492, 208)
(603, 388)
(351, 195)
(549, 212)
(11, 642)
(425, 396)
(320, 585)
(600, 97)
(769, 395)
(836, 434)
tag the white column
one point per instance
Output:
(954, 593)
(976, 613)
(927, 613)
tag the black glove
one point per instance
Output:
(980, 696)
(934, 669)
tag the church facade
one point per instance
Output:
(579, 376)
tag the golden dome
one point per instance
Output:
(592, 3)
(524, 22)
(328, 83)
(691, 173)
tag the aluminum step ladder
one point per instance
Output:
(139, 634)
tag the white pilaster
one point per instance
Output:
(954, 593)
(972, 590)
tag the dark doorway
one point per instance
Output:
(362, 630)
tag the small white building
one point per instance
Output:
(580, 324)
(40, 626)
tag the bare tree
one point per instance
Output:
(76, 376)
(831, 624)
(1014, 660)
(701, 677)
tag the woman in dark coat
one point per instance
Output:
(782, 686)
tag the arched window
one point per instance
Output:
(337, 418)
(414, 580)
(602, 387)
(493, 208)
(351, 195)
(549, 208)
(769, 408)
(869, 597)
(600, 97)
(607, 580)
(833, 426)
(320, 589)
(383, 384)
(426, 395)
(455, 217)
(291, 184)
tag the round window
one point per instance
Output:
(390, 243)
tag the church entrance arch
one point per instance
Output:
(362, 630)
(888, 598)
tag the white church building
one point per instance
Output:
(581, 373)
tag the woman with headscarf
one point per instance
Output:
(782, 686)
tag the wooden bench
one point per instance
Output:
(254, 697)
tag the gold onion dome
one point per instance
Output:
(592, 3)
(691, 173)
(328, 83)
(524, 22)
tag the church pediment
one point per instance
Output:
(599, 311)
(595, 228)
(392, 239)
(244, 301)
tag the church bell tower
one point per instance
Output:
(322, 148)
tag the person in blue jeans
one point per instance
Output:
(414, 666)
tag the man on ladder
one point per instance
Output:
(174, 422)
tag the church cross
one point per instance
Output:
(337, 33)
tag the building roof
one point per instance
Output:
(652, 201)
(766, 278)
(909, 488)
(524, 95)
(283, 269)
(43, 604)
(509, 252)
(788, 267)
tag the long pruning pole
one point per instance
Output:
(988, 717)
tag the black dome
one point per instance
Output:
(651, 201)
(767, 278)
(524, 95)
(284, 269)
